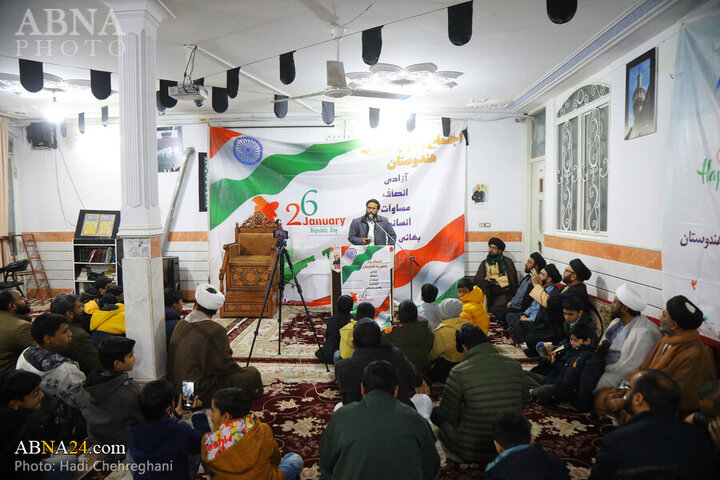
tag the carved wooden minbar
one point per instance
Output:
(246, 269)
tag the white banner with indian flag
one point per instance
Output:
(317, 189)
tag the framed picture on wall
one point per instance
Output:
(641, 96)
(170, 149)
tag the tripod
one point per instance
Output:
(281, 255)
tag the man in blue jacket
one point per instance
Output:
(368, 229)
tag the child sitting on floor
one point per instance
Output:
(429, 310)
(113, 396)
(473, 309)
(518, 456)
(62, 378)
(173, 310)
(574, 372)
(109, 320)
(165, 439)
(241, 446)
(20, 400)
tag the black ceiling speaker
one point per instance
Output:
(371, 45)
(460, 23)
(158, 104)
(446, 126)
(328, 112)
(31, 75)
(219, 99)
(410, 123)
(165, 98)
(374, 117)
(232, 82)
(280, 106)
(100, 84)
(561, 11)
(287, 68)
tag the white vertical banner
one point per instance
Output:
(691, 234)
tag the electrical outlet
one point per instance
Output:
(484, 224)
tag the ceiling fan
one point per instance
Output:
(337, 86)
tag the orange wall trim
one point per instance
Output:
(68, 236)
(32, 293)
(53, 236)
(633, 256)
(188, 237)
(485, 236)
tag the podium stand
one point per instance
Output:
(366, 273)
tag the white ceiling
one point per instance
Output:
(514, 48)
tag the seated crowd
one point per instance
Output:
(66, 375)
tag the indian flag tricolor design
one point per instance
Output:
(317, 190)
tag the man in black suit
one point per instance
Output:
(653, 436)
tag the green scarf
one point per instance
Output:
(492, 260)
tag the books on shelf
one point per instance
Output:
(95, 255)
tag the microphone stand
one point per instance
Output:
(412, 259)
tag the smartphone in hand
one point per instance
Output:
(188, 394)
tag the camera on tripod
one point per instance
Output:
(280, 235)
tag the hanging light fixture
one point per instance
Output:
(54, 113)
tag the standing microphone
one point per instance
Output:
(371, 216)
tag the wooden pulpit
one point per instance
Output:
(246, 269)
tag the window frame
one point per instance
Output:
(580, 112)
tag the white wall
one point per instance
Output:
(636, 177)
(496, 157)
(84, 173)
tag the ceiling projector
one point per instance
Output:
(188, 91)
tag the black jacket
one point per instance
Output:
(655, 438)
(542, 329)
(531, 463)
(332, 336)
(555, 303)
(350, 370)
(19, 426)
(576, 379)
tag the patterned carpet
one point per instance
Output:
(300, 396)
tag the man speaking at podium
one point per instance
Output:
(371, 228)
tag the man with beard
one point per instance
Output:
(371, 228)
(521, 299)
(534, 323)
(81, 349)
(574, 279)
(496, 276)
(680, 353)
(628, 339)
(15, 333)
(653, 436)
